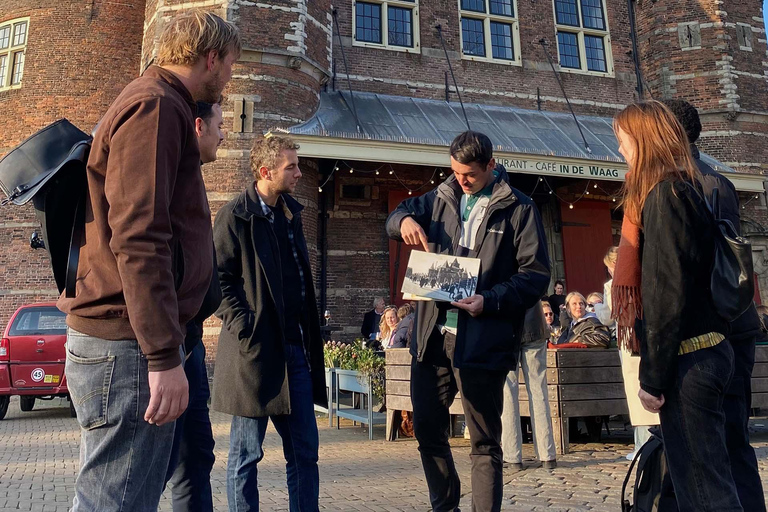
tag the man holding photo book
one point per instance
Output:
(470, 345)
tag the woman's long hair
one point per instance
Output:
(662, 151)
(384, 329)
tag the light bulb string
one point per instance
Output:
(392, 172)
(436, 170)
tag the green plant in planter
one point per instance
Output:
(364, 360)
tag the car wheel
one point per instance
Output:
(72, 411)
(4, 401)
(26, 403)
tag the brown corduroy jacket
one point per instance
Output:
(146, 263)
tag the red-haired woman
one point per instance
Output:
(664, 307)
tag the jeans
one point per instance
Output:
(533, 361)
(434, 384)
(189, 471)
(123, 459)
(298, 431)
(737, 405)
(693, 426)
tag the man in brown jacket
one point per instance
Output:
(145, 267)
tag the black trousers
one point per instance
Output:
(434, 384)
(737, 405)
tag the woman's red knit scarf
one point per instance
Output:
(627, 304)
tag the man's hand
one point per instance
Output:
(472, 305)
(168, 396)
(413, 234)
(650, 402)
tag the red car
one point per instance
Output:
(32, 356)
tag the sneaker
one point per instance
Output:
(549, 464)
(516, 466)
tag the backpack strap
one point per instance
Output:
(73, 257)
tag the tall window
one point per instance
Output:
(13, 44)
(489, 30)
(391, 24)
(583, 42)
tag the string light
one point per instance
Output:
(432, 182)
(410, 192)
(441, 174)
(377, 173)
(319, 189)
(570, 206)
(351, 171)
(595, 185)
(391, 172)
(586, 193)
(614, 199)
(541, 179)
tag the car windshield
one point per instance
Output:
(39, 321)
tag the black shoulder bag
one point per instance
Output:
(732, 281)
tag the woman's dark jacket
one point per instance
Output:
(587, 330)
(535, 329)
(250, 378)
(677, 258)
(401, 338)
(514, 270)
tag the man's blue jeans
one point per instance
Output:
(298, 431)
(123, 459)
(693, 426)
(189, 471)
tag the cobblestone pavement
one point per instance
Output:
(39, 461)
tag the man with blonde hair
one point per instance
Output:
(144, 269)
(270, 354)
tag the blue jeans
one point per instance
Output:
(298, 431)
(123, 459)
(189, 471)
(737, 405)
(693, 426)
(533, 360)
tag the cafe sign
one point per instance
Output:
(564, 168)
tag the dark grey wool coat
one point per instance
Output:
(250, 378)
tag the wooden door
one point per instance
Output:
(586, 238)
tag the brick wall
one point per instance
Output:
(79, 56)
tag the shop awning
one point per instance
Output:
(403, 130)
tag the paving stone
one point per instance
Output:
(39, 458)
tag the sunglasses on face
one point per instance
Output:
(549, 314)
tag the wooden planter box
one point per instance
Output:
(581, 382)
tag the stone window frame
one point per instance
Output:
(11, 54)
(413, 5)
(580, 32)
(487, 18)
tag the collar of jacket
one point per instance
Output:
(166, 76)
(501, 197)
(695, 151)
(248, 205)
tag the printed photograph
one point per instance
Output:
(440, 277)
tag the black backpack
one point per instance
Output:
(653, 490)
(48, 168)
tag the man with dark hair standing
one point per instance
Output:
(470, 345)
(145, 267)
(745, 331)
(270, 355)
(189, 470)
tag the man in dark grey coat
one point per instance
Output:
(269, 362)
(744, 332)
(470, 345)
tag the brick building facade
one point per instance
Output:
(301, 53)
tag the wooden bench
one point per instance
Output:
(580, 382)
